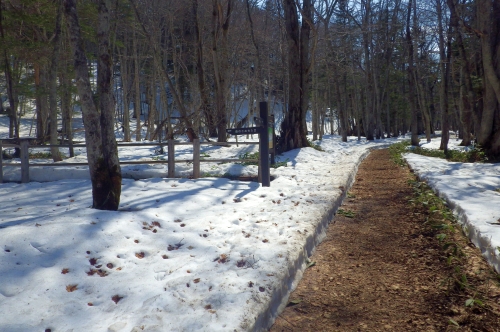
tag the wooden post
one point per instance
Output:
(196, 158)
(1, 162)
(272, 139)
(171, 158)
(25, 163)
(264, 145)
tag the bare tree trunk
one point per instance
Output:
(411, 80)
(293, 127)
(67, 118)
(314, 106)
(341, 108)
(102, 153)
(466, 89)
(220, 28)
(465, 110)
(488, 15)
(445, 73)
(369, 109)
(56, 155)
(124, 75)
(110, 200)
(137, 86)
(422, 102)
(152, 103)
(13, 99)
(11, 92)
(209, 117)
(40, 102)
(166, 121)
(65, 88)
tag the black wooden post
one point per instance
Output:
(264, 146)
(196, 158)
(171, 158)
(25, 160)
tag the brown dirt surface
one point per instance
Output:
(382, 267)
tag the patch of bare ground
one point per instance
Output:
(383, 267)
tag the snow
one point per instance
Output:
(210, 254)
(472, 192)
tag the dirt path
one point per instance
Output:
(381, 267)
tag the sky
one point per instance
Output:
(210, 254)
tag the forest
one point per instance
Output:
(372, 68)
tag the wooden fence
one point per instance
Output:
(24, 146)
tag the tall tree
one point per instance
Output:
(488, 16)
(294, 128)
(102, 152)
(466, 89)
(221, 19)
(56, 155)
(411, 77)
(444, 57)
(9, 65)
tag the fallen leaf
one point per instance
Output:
(116, 298)
(99, 272)
(140, 255)
(293, 302)
(71, 288)
(223, 258)
(102, 273)
(311, 264)
(64, 271)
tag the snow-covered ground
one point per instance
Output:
(210, 254)
(472, 191)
